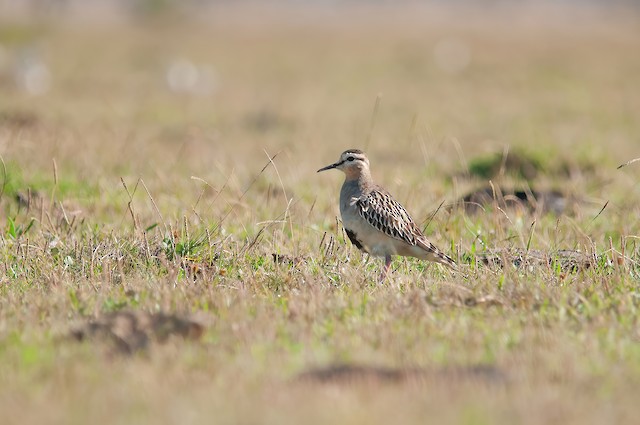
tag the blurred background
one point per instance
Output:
(161, 155)
(170, 89)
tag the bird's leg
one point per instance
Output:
(385, 269)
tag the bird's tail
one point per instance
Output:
(437, 256)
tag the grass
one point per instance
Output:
(176, 203)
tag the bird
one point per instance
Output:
(374, 221)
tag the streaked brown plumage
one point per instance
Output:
(374, 221)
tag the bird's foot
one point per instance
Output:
(385, 269)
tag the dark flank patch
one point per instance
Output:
(354, 240)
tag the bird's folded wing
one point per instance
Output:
(386, 214)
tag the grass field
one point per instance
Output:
(169, 167)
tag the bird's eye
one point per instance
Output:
(350, 158)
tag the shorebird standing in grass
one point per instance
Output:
(375, 222)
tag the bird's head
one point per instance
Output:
(352, 162)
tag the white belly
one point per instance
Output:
(373, 241)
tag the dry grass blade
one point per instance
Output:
(628, 163)
(374, 118)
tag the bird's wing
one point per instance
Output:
(387, 215)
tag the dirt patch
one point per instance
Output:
(288, 260)
(18, 120)
(565, 259)
(533, 201)
(350, 374)
(131, 332)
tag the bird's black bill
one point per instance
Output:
(328, 167)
